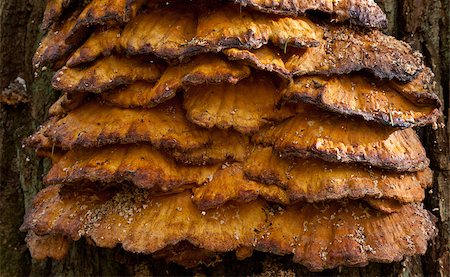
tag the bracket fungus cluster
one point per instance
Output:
(188, 129)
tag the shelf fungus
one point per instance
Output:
(67, 31)
(348, 233)
(246, 106)
(49, 246)
(313, 180)
(105, 13)
(95, 125)
(186, 131)
(260, 174)
(53, 12)
(126, 216)
(203, 69)
(53, 49)
(142, 165)
(364, 13)
(106, 74)
(390, 103)
(316, 234)
(100, 43)
(327, 136)
(189, 32)
(341, 50)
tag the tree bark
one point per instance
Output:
(422, 23)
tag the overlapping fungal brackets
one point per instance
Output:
(189, 130)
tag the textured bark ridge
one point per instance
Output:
(423, 24)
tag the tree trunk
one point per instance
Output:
(422, 23)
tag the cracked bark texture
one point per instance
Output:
(422, 23)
